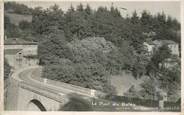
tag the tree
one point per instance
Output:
(146, 21)
(68, 15)
(11, 30)
(172, 84)
(145, 18)
(114, 12)
(54, 8)
(47, 21)
(76, 103)
(153, 67)
(52, 48)
(88, 10)
(14, 7)
(38, 22)
(169, 21)
(135, 18)
(7, 70)
(168, 79)
(160, 55)
(60, 71)
(161, 19)
(82, 46)
(132, 92)
(80, 8)
(128, 55)
(77, 23)
(148, 90)
(24, 25)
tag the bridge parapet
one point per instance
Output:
(73, 88)
(27, 86)
(44, 92)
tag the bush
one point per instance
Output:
(59, 72)
(24, 25)
(52, 49)
(76, 103)
(91, 76)
(7, 69)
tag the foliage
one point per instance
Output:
(168, 78)
(11, 30)
(24, 25)
(14, 7)
(158, 58)
(148, 90)
(82, 46)
(76, 103)
(83, 22)
(171, 82)
(56, 49)
(47, 21)
(7, 70)
(82, 66)
(135, 18)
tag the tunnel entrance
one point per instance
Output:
(35, 105)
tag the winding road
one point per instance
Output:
(30, 77)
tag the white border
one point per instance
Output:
(182, 57)
(1, 55)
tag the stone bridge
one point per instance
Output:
(27, 91)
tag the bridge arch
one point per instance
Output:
(35, 104)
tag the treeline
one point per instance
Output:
(83, 22)
(83, 46)
(18, 11)
(13, 7)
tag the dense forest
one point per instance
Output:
(84, 46)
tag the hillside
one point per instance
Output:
(17, 18)
(84, 46)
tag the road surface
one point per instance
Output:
(30, 77)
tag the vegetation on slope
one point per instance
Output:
(84, 46)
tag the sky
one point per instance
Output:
(171, 8)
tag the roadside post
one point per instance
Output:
(45, 80)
